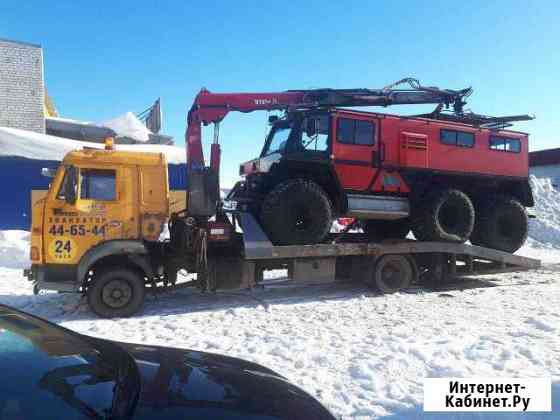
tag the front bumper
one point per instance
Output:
(60, 278)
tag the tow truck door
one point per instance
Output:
(103, 209)
(355, 150)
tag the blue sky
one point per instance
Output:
(105, 58)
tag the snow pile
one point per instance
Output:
(361, 354)
(544, 230)
(14, 249)
(128, 125)
(548, 171)
(31, 145)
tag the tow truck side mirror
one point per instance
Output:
(48, 172)
(70, 185)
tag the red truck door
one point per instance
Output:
(355, 150)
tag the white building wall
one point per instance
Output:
(22, 90)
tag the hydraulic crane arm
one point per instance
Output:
(213, 107)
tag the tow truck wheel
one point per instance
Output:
(296, 212)
(392, 273)
(501, 224)
(116, 293)
(445, 215)
(378, 230)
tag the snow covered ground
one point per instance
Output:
(361, 354)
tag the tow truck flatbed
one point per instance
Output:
(442, 259)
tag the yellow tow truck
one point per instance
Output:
(101, 204)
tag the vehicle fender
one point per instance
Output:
(338, 190)
(135, 251)
(323, 173)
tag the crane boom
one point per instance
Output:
(213, 107)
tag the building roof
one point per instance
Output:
(28, 44)
(544, 157)
(31, 145)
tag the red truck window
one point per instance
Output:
(457, 138)
(505, 144)
(355, 132)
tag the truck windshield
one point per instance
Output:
(278, 140)
(310, 133)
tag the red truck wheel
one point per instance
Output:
(296, 212)
(501, 224)
(445, 215)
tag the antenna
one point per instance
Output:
(152, 117)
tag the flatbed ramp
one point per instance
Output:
(442, 258)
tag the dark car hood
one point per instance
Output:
(182, 384)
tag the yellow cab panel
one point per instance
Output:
(102, 195)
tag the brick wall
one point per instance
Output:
(21, 86)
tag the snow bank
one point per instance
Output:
(547, 171)
(14, 249)
(128, 125)
(544, 230)
(31, 145)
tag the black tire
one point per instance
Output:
(501, 224)
(296, 212)
(392, 273)
(116, 293)
(379, 230)
(445, 215)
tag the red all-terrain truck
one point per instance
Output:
(447, 176)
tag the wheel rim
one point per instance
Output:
(301, 219)
(392, 275)
(116, 294)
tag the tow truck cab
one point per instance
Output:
(97, 198)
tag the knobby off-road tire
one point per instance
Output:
(296, 212)
(445, 215)
(379, 230)
(501, 223)
(116, 293)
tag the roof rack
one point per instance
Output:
(477, 120)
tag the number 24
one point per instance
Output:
(60, 247)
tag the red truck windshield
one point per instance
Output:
(308, 134)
